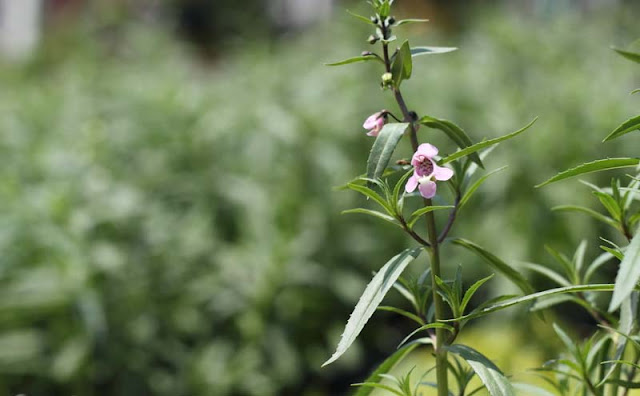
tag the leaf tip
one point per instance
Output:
(329, 361)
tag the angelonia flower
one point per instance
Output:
(426, 172)
(374, 123)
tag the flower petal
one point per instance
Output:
(372, 121)
(428, 189)
(373, 132)
(412, 183)
(379, 123)
(442, 173)
(428, 150)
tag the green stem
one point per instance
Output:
(440, 351)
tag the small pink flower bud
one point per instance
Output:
(374, 123)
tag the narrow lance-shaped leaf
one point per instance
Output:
(383, 148)
(533, 390)
(371, 298)
(454, 132)
(533, 297)
(373, 213)
(416, 215)
(628, 274)
(610, 204)
(418, 51)
(549, 273)
(410, 20)
(634, 56)
(362, 18)
(628, 320)
(471, 291)
(384, 368)
(630, 125)
(590, 212)
(499, 265)
(435, 325)
(467, 195)
(355, 59)
(369, 193)
(483, 144)
(492, 378)
(594, 166)
(401, 67)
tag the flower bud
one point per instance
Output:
(372, 39)
(390, 21)
(374, 20)
(387, 78)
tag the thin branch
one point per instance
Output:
(413, 234)
(452, 219)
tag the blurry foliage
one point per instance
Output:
(170, 229)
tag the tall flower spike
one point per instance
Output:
(374, 123)
(426, 171)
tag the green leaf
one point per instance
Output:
(594, 166)
(467, 195)
(384, 368)
(454, 132)
(402, 312)
(384, 9)
(622, 362)
(383, 148)
(564, 262)
(628, 310)
(373, 213)
(600, 217)
(497, 264)
(610, 204)
(366, 191)
(371, 298)
(402, 65)
(628, 274)
(595, 264)
(532, 297)
(410, 20)
(418, 51)
(491, 376)
(529, 389)
(375, 385)
(435, 325)
(578, 256)
(362, 18)
(479, 146)
(416, 215)
(625, 384)
(399, 201)
(471, 291)
(566, 340)
(629, 125)
(549, 273)
(545, 303)
(634, 56)
(615, 252)
(362, 58)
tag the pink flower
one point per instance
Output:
(425, 171)
(374, 123)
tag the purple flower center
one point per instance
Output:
(424, 167)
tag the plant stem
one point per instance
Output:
(440, 351)
(631, 374)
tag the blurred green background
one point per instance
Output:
(168, 223)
